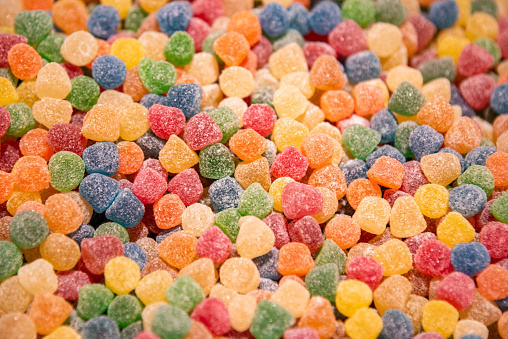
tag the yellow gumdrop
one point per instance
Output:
(414, 310)
(197, 218)
(441, 317)
(293, 297)
(236, 81)
(394, 256)
(287, 60)
(224, 294)
(289, 102)
(454, 229)
(79, 48)
(451, 46)
(203, 272)
(240, 275)
(101, 123)
(8, 94)
(52, 81)
(384, 39)
(399, 58)
(60, 251)
(38, 276)
(247, 173)
(152, 287)
(26, 93)
(203, 67)
(466, 327)
(352, 295)
(289, 132)
(133, 122)
(264, 78)
(128, 50)
(212, 95)
(241, 312)
(365, 324)
(285, 3)
(150, 6)
(276, 189)
(300, 80)
(432, 200)
(122, 6)
(482, 25)
(372, 214)
(13, 297)
(254, 239)
(312, 116)
(122, 275)
(441, 168)
(440, 86)
(63, 332)
(392, 293)
(176, 156)
(50, 111)
(400, 74)
(114, 98)
(153, 44)
(406, 219)
(456, 32)
(19, 197)
(464, 12)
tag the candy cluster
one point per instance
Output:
(240, 169)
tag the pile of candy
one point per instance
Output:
(231, 169)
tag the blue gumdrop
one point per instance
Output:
(362, 66)
(126, 209)
(467, 200)
(83, 232)
(150, 144)
(470, 258)
(354, 169)
(166, 233)
(396, 325)
(268, 285)
(135, 252)
(425, 140)
(457, 154)
(444, 14)
(458, 99)
(499, 99)
(186, 97)
(103, 22)
(267, 265)
(150, 99)
(99, 191)
(100, 328)
(299, 18)
(174, 16)
(502, 304)
(225, 193)
(101, 157)
(479, 155)
(109, 71)
(384, 123)
(385, 151)
(324, 17)
(472, 336)
(274, 19)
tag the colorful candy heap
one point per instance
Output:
(208, 169)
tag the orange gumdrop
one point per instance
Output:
(343, 230)
(133, 86)
(31, 206)
(232, 48)
(104, 49)
(337, 105)
(318, 149)
(361, 188)
(295, 258)
(34, 143)
(319, 316)
(48, 311)
(130, 157)
(369, 99)
(326, 74)
(250, 63)
(32, 173)
(493, 282)
(387, 172)
(247, 144)
(24, 61)
(500, 125)
(409, 37)
(331, 177)
(179, 249)
(63, 214)
(70, 15)
(291, 277)
(7, 182)
(497, 163)
(463, 136)
(168, 211)
(44, 5)
(437, 113)
(247, 24)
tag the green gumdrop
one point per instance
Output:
(499, 208)
(35, 25)
(156, 76)
(207, 45)
(11, 259)
(22, 119)
(66, 170)
(480, 176)
(170, 322)
(361, 141)
(402, 137)
(125, 310)
(84, 93)
(263, 96)
(438, 68)
(7, 73)
(216, 162)
(406, 100)
(323, 281)
(331, 253)
(487, 143)
(270, 321)
(291, 36)
(390, 11)
(179, 50)
(491, 46)
(360, 11)
(112, 228)
(185, 293)
(134, 18)
(28, 229)
(227, 121)
(227, 221)
(93, 300)
(255, 201)
(486, 6)
(49, 48)
(132, 331)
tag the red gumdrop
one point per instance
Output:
(502, 41)
(413, 177)
(494, 236)
(391, 195)
(263, 49)
(72, 70)
(198, 29)
(215, 245)
(98, 251)
(367, 270)
(66, 137)
(503, 24)
(414, 242)
(70, 282)
(313, 50)
(146, 335)
(9, 155)
(149, 186)
(279, 225)
(124, 183)
(485, 216)
(5, 120)
(94, 278)
(165, 121)
(477, 89)
(473, 60)
(201, 131)
(260, 118)
(7, 40)
(300, 200)
(301, 333)
(429, 335)
(214, 315)
(457, 289)
(290, 163)
(352, 120)
(156, 166)
(425, 30)
(423, 57)
(306, 231)
(3, 210)
(137, 232)
(434, 258)
(208, 10)
(187, 186)
(347, 38)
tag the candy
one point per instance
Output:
(103, 21)
(269, 312)
(12, 260)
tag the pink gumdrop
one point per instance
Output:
(484, 217)
(502, 41)
(208, 10)
(156, 166)
(66, 137)
(306, 231)
(503, 263)
(279, 225)
(503, 24)
(301, 333)
(70, 282)
(215, 245)
(434, 258)
(494, 236)
(473, 60)
(9, 155)
(198, 29)
(214, 315)
(187, 186)
(347, 38)
(290, 163)
(165, 121)
(201, 131)
(423, 57)
(367, 270)
(263, 49)
(7, 40)
(457, 289)
(413, 177)
(414, 242)
(260, 118)
(429, 335)
(313, 50)
(352, 120)
(149, 186)
(425, 30)
(391, 195)
(72, 70)
(5, 120)
(146, 335)
(124, 183)
(98, 251)
(300, 200)
(477, 89)
(77, 118)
